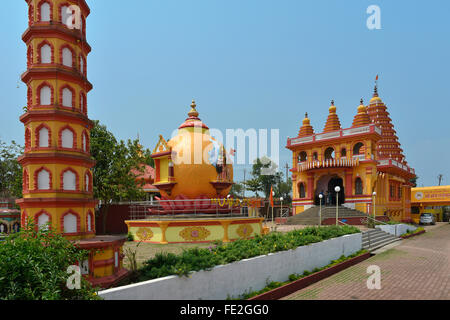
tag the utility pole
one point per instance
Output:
(440, 178)
(287, 170)
(244, 182)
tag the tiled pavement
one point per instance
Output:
(417, 268)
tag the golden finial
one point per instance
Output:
(332, 108)
(193, 112)
(306, 114)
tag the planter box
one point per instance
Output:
(234, 279)
(412, 235)
(396, 229)
(299, 284)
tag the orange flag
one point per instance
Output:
(271, 197)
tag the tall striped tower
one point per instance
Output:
(57, 176)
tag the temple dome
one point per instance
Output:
(306, 129)
(362, 117)
(388, 147)
(196, 157)
(333, 123)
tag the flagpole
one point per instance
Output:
(271, 203)
(272, 220)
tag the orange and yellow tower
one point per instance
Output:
(57, 166)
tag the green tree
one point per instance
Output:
(264, 176)
(10, 170)
(34, 266)
(253, 185)
(283, 189)
(113, 179)
(237, 190)
(414, 181)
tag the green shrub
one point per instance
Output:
(33, 266)
(130, 237)
(410, 231)
(293, 277)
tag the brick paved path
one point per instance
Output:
(418, 268)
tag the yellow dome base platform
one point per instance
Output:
(194, 228)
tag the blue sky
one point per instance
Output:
(255, 64)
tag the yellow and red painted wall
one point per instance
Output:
(431, 200)
(195, 230)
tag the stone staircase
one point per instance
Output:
(373, 239)
(311, 215)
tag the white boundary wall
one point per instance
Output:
(396, 229)
(234, 279)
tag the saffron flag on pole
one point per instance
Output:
(271, 196)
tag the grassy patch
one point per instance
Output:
(412, 232)
(388, 254)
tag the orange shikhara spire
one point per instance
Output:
(333, 123)
(389, 146)
(306, 129)
(362, 117)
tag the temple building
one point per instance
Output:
(192, 165)
(366, 161)
(57, 165)
(145, 177)
(194, 175)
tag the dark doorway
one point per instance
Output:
(334, 182)
(327, 184)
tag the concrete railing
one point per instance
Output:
(236, 278)
(396, 229)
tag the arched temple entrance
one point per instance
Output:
(326, 185)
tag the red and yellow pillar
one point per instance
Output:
(57, 165)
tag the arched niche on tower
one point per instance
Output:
(43, 135)
(67, 138)
(329, 153)
(69, 180)
(70, 223)
(43, 179)
(358, 149)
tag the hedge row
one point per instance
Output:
(164, 264)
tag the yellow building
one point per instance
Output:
(429, 199)
(194, 175)
(57, 165)
(361, 160)
(192, 164)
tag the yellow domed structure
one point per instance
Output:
(192, 165)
